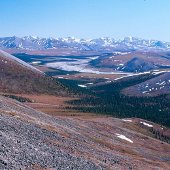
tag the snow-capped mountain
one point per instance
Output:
(99, 44)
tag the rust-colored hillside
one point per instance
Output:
(18, 77)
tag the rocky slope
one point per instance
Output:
(33, 140)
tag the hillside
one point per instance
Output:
(134, 62)
(33, 140)
(17, 76)
(156, 86)
(110, 98)
(137, 65)
(65, 133)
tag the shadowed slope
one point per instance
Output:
(17, 76)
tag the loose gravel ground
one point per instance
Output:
(33, 140)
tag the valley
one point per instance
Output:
(98, 84)
(85, 109)
(84, 85)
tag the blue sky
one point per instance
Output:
(86, 18)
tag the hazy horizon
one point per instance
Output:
(117, 39)
(88, 19)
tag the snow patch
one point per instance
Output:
(124, 137)
(127, 120)
(90, 83)
(155, 72)
(36, 62)
(81, 85)
(146, 124)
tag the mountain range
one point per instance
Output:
(105, 44)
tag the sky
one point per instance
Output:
(147, 19)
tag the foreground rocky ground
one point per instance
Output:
(33, 140)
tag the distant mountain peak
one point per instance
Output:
(106, 44)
